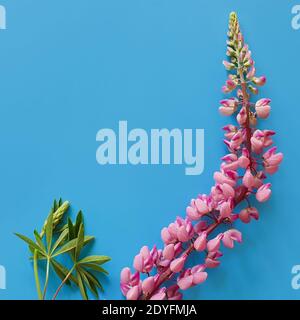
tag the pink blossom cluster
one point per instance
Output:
(162, 274)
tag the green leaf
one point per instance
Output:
(80, 241)
(93, 279)
(60, 239)
(88, 239)
(82, 287)
(95, 259)
(71, 229)
(79, 221)
(39, 242)
(59, 270)
(65, 248)
(49, 231)
(29, 242)
(95, 267)
(90, 283)
(62, 271)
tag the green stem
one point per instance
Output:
(36, 275)
(63, 282)
(47, 278)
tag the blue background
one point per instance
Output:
(69, 68)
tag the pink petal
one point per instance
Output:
(177, 264)
(185, 282)
(125, 275)
(214, 244)
(200, 243)
(148, 285)
(199, 277)
(169, 251)
(138, 263)
(133, 293)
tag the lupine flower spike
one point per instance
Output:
(162, 274)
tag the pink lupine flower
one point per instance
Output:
(191, 280)
(200, 242)
(259, 81)
(263, 108)
(258, 179)
(242, 117)
(248, 179)
(244, 160)
(133, 293)
(211, 259)
(180, 230)
(232, 187)
(221, 192)
(177, 264)
(198, 207)
(163, 260)
(202, 206)
(230, 162)
(257, 141)
(200, 226)
(248, 213)
(169, 251)
(264, 192)
(230, 131)
(225, 209)
(230, 236)
(228, 106)
(148, 285)
(214, 244)
(191, 277)
(272, 160)
(160, 294)
(229, 86)
(144, 261)
(251, 73)
(227, 190)
(130, 281)
(227, 176)
(236, 141)
(228, 65)
(173, 293)
(138, 263)
(166, 236)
